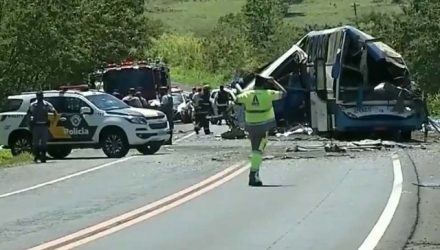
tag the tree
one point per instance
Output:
(414, 33)
(261, 21)
(227, 48)
(45, 44)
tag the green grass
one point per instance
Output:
(7, 160)
(200, 16)
(336, 11)
(192, 16)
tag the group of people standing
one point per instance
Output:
(203, 107)
(257, 103)
(135, 99)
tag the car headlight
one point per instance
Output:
(137, 120)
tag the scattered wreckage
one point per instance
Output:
(339, 149)
(343, 80)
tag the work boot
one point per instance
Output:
(254, 179)
(36, 154)
(43, 156)
(207, 132)
(196, 130)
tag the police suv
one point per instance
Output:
(86, 119)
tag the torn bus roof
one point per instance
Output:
(376, 49)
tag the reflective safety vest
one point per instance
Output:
(258, 105)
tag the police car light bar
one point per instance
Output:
(34, 92)
(81, 87)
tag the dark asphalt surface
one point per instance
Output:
(305, 212)
(316, 203)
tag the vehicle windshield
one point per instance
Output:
(107, 102)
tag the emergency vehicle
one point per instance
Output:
(140, 75)
(86, 119)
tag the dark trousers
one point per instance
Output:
(201, 120)
(221, 111)
(171, 124)
(40, 136)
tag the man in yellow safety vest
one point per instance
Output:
(260, 118)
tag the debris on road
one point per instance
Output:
(368, 142)
(434, 124)
(357, 146)
(298, 148)
(234, 133)
(268, 157)
(218, 159)
(334, 148)
(299, 129)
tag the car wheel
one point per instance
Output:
(59, 152)
(114, 144)
(21, 144)
(149, 149)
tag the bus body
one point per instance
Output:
(342, 80)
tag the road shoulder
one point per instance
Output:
(404, 219)
(427, 226)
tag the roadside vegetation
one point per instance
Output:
(7, 160)
(199, 16)
(205, 41)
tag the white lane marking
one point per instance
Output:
(65, 177)
(77, 173)
(185, 137)
(387, 215)
(123, 221)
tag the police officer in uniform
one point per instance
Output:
(260, 118)
(222, 102)
(142, 99)
(132, 100)
(39, 123)
(166, 106)
(193, 92)
(202, 108)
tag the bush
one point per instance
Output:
(196, 77)
(227, 48)
(434, 105)
(185, 51)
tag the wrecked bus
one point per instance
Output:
(344, 80)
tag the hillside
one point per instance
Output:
(199, 16)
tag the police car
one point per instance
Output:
(86, 119)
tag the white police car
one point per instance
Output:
(87, 119)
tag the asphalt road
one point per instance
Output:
(314, 202)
